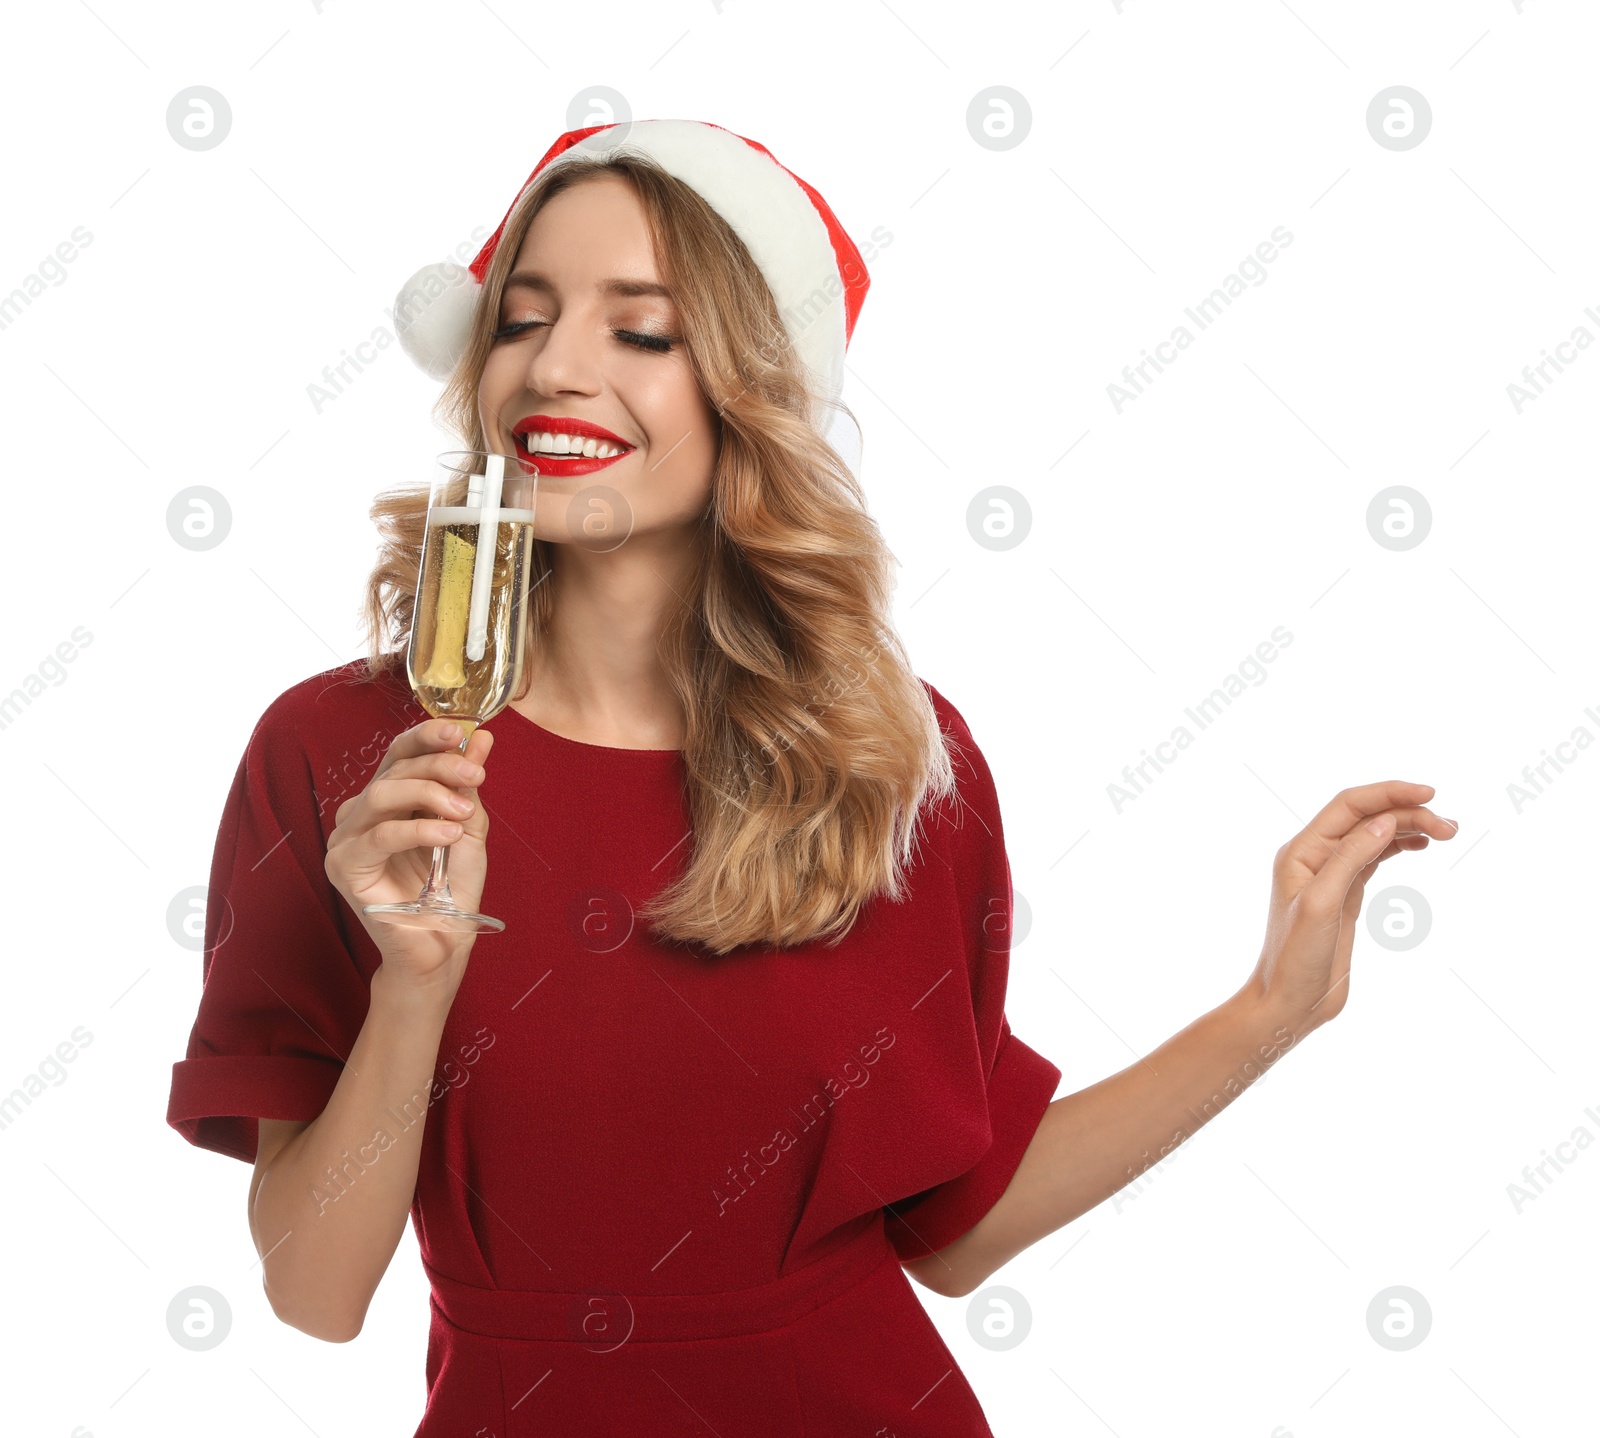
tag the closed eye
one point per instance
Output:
(655, 344)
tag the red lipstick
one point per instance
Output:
(562, 466)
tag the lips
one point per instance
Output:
(529, 429)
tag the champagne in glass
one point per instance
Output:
(464, 657)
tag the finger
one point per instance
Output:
(372, 849)
(1398, 844)
(1401, 842)
(426, 750)
(454, 770)
(1350, 806)
(466, 784)
(1311, 850)
(397, 798)
(432, 736)
(479, 745)
(1353, 853)
(1420, 820)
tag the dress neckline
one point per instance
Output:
(550, 736)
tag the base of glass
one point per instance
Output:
(417, 915)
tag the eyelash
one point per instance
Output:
(654, 344)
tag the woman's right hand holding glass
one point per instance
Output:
(382, 845)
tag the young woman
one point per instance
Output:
(740, 1061)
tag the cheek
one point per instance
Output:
(682, 428)
(676, 413)
(494, 384)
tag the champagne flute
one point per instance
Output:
(464, 656)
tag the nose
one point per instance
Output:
(565, 358)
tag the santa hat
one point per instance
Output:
(814, 270)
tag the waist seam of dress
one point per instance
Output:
(536, 1315)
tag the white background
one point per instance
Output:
(1165, 542)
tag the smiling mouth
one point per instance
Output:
(545, 445)
(582, 454)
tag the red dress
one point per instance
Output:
(660, 1191)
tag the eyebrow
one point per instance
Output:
(533, 280)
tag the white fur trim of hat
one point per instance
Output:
(811, 265)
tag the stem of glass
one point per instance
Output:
(436, 892)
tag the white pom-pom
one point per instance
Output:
(433, 316)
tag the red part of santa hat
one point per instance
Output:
(813, 268)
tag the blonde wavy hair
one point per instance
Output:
(811, 747)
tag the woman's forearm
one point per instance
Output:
(329, 1208)
(1091, 1143)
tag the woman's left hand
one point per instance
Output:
(1318, 879)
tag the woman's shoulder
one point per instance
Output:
(942, 707)
(973, 806)
(958, 738)
(339, 709)
(319, 740)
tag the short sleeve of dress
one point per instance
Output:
(283, 995)
(1020, 1081)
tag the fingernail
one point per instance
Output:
(1378, 825)
(450, 731)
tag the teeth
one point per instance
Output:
(554, 446)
